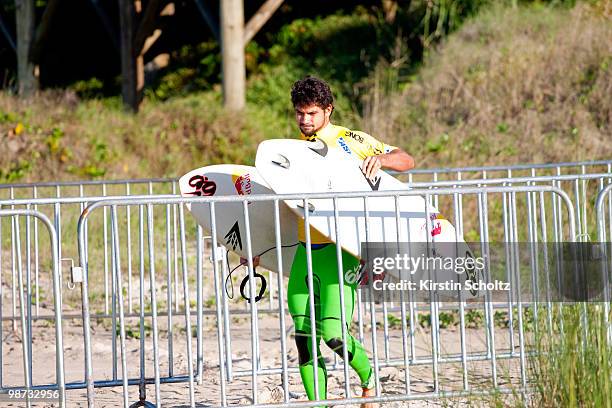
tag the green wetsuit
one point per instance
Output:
(327, 315)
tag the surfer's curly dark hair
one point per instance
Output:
(311, 91)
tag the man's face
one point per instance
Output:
(312, 118)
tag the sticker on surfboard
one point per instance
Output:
(233, 237)
(238, 180)
(202, 186)
(242, 183)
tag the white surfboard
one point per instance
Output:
(230, 179)
(296, 166)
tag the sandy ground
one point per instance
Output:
(173, 357)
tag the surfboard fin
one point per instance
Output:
(311, 207)
(319, 146)
(281, 160)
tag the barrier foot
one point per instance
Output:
(143, 404)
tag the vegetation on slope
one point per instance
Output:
(513, 84)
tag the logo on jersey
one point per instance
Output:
(354, 135)
(203, 186)
(343, 145)
(375, 151)
(242, 183)
(233, 237)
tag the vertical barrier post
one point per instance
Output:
(153, 288)
(59, 343)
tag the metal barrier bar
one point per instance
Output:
(26, 313)
(169, 289)
(402, 310)
(1, 311)
(153, 304)
(141, 386)
(281, 303)
(217, 298)
(411, 356)
(118, 288)
(511, 167)
(25, 334)
(345, 357)
(434, 172)
(82, 183)
(199, 305)
(188, 333)
(314, 337)
(606, 248)
(82, 189)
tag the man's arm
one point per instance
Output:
(397, 160)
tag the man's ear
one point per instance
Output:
(329, 110)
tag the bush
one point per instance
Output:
(526, 84)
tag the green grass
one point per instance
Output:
(570, 364)
(574, 365)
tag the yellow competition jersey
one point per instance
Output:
(358, 144)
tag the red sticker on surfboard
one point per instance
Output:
(242, 183)
(203, 186)
(437, 225)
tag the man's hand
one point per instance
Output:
(244, 261)
(370, 166)
(397, 160)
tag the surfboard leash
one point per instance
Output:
(245, 280)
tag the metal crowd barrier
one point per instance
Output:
(152, 186)
(61, 201)
(578, 178)
(421, 360)
(65, 213)
(76, 194)
(583, 187)
(29, 388)
(89, 188)
(502, 171)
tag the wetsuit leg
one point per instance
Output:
(299, 308)
(331, 323)
(327, 305)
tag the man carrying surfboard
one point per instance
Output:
(313, 103)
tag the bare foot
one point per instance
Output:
(369, 393)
